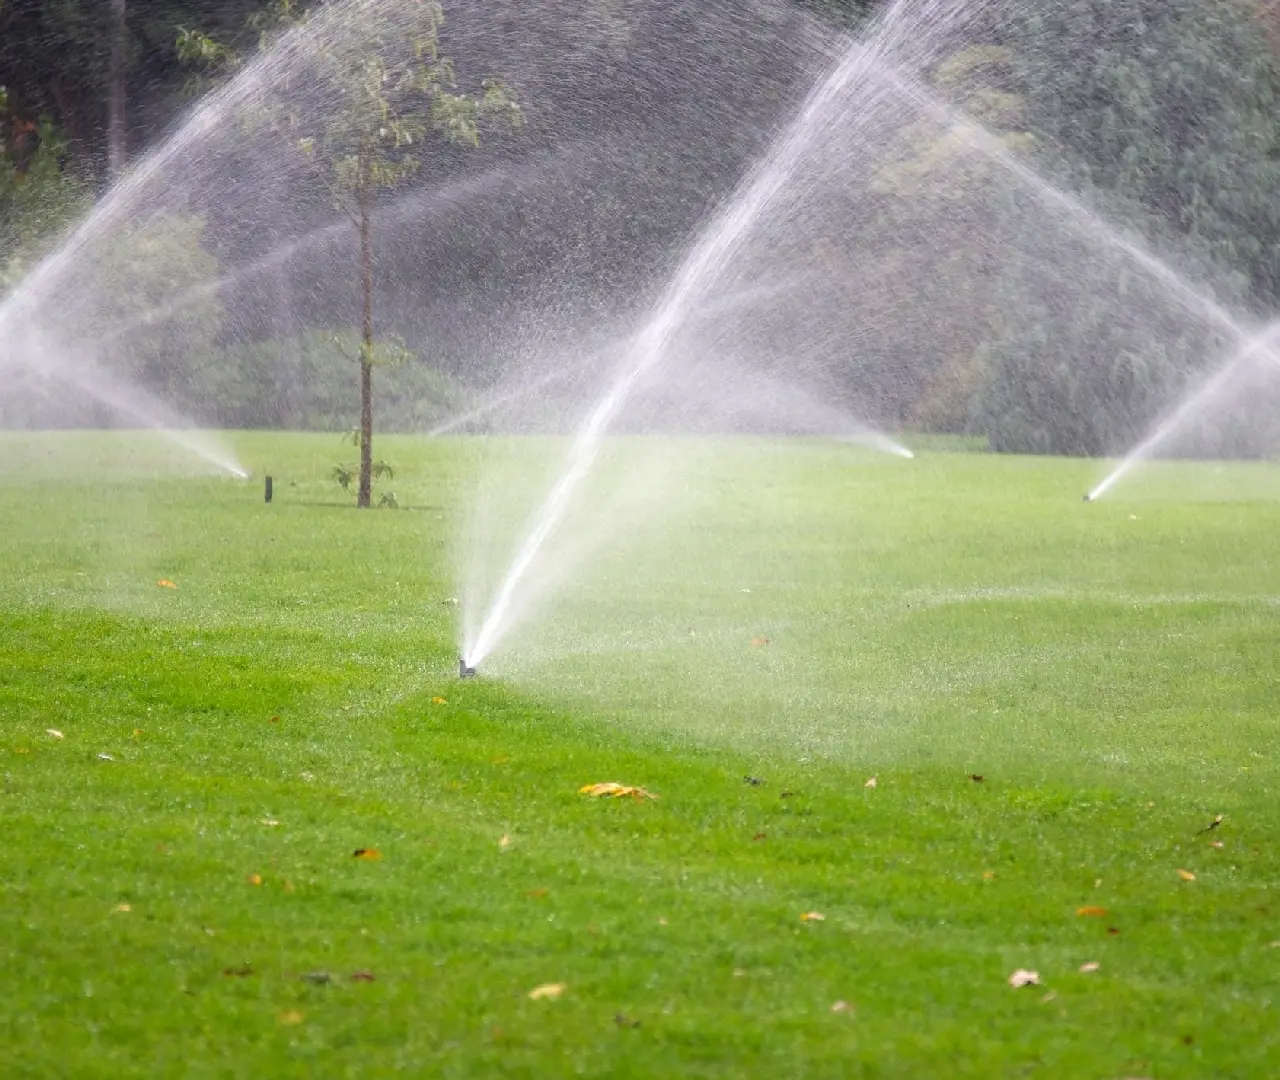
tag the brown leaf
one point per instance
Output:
(977, 778)
(616, 791)
(1023, 977)
(165, 583)
(760, 836)
(813, 916)
(242, 972)
(1186, 875)
(1217, 844)
(362, 976)
(291, 1017)
(1091, 912)
(536, 894)
(758, 642)
(254, 879)
(547, 992)
(367, 853)
(988, 875)
(1114, 931)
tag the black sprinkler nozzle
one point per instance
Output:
(1088, 497)
(465, 672)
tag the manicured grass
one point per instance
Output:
(1109, 670)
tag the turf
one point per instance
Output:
(806, 615)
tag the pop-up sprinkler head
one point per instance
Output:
(1088, 497)
(465, 672)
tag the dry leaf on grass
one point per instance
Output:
(977, 778)
(254, 879)
(54, 732)
(104, 757)
(1022, 977)
(1091, 912)
(291, 1017)
(547, 992)
(122, 907)
(988, 875)
(439, 701)
(362, 976)
(870, 783)
(1186, 875)
(1217, 844)
(616, 791)
(842, 1007)
(1089, 968)
(367, 853)
(505, 842)
(757, 642)
(165, 583)
(813, 916)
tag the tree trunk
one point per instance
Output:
(116, 148)
(365, 495)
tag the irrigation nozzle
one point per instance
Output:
(1088, 496)
(464, 671)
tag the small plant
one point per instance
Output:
(343, 475)
(388, 500)
(346, 475)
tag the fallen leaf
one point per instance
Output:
(813, 916)
(625, 1021)
(977, 778)
(842, 1007)
(1186, 875)
(1089, 967)
(988, 875)
(367, 853)
(870, 783)
(662, 921)
(760, 836)
(270, 822)
(1091, 912)
(122, 907)
(759, 641)
(254, 879)
(439, 701)
(137, 733)
(291, 1017)
(1048, 997)
(317, 977)
(101, 757)
(242, 972)
(54, 732)
(547, 992)
(1022, 977)
(786, 794)
(616, 791)
(505, 842)
(362, 976)
(165, 583)
(1217, 844)
(274, 720)
(1114, 931)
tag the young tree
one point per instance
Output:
(371, 93)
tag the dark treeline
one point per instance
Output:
(946, 300)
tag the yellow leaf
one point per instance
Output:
(165, 583)
(547, 992)
(1217, 844)
(439, 701)
(366, 853)
(291, 1017)
(870, 783)
(988, 875)
(1186, 875)
(616, 791)
(122, 907)
(1022, 977)
(812, 916)
(1092, 912)
(1090, 967)
(505, 842)
(254, 879)
(137, 733)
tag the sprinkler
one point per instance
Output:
(1088, 497)
(465, 672)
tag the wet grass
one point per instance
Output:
(180, 895)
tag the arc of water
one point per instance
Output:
(1207, 391)
(702, 265)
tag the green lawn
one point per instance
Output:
(179, 892)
